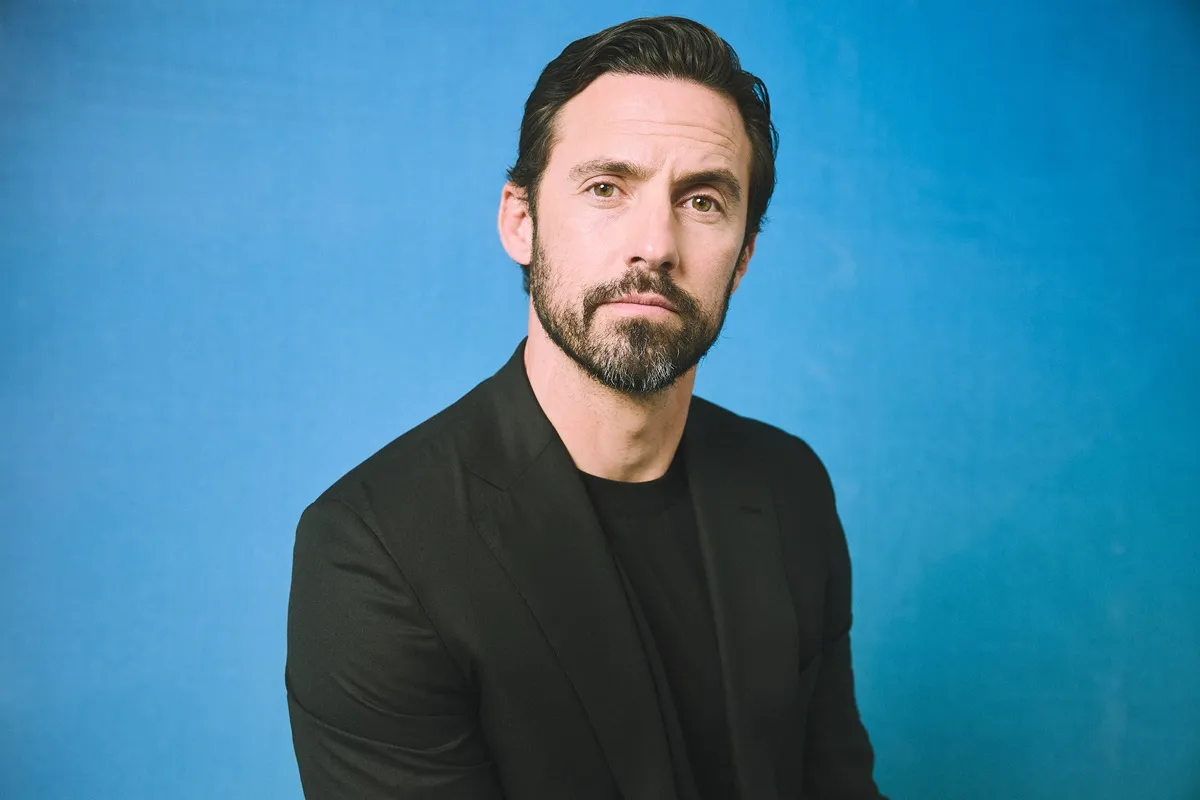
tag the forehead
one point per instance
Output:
(654, 121)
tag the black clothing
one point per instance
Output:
(457, 627)
(652, 530)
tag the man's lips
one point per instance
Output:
(644, 300)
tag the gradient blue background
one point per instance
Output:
(243, 245)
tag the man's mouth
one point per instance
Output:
(644, 299)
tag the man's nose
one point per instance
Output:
(653, 238)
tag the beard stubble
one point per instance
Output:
(635, 356)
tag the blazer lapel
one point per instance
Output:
(536, 516)
(752, 604)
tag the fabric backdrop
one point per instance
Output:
(244, 244)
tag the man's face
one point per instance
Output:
(640, 224)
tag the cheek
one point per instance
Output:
(580, 250)
(560, 266)
(713, 262)
(591, 236)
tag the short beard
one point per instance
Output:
(639, 357)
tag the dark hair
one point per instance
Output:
(667, 47)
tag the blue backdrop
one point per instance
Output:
(243, 245)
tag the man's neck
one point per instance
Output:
(608, 434)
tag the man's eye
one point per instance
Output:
(704, 204)
(603, 189)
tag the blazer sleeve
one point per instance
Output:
(838, 757)
(378, 707)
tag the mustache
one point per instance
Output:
(639, 281)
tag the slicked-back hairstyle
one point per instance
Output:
(665, 47)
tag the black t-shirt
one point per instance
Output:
(651, 528)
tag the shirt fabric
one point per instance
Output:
(651, 528)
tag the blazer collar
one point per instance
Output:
(512, 431)
(535, 514)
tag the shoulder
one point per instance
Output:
(419, 463)
(812, 540)
(783, 454)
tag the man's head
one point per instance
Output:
(645, 165)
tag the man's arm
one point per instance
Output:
(838, 758)
(378, 707)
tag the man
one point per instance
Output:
(580, 581)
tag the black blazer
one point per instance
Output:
(459, 629)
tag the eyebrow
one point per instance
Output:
(723, 179)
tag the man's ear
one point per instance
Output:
(743, 262)
(515, 223)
